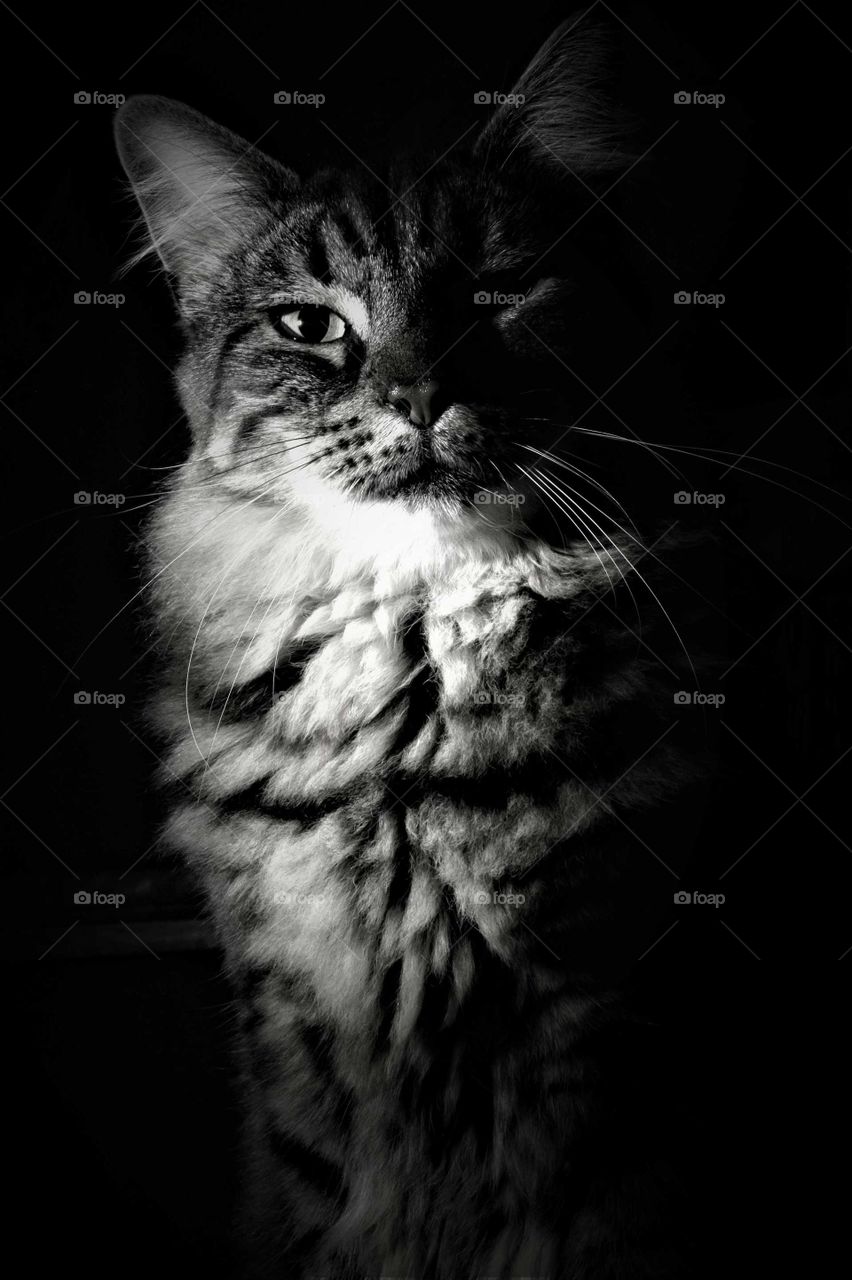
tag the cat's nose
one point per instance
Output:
(417, 401)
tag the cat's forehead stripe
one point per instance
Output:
(318, 262)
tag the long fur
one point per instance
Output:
(415, 737)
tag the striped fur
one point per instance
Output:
(402, 725)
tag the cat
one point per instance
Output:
(417, 735)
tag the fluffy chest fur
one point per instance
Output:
(404, 776)
(399, 745)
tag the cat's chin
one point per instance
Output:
(413, 534)
(425, 485)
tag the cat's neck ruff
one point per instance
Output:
(402, 548)
(319, 549)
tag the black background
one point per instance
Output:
(120, 1124)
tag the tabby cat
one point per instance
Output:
(418, 734)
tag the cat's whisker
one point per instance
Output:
(701, 457)
(603, 538)
(483, 517)
(161, 642)
(263, 454)
(298, 466)
(150, 581)
(644, 444)
(155, 496)
(180, 466)
(768, 462)
(206, 483)
(282, 629)
(248, 649)
(500, 474)
(128, 511)
(241, 555)
(577, 471)
(659, 603)
(648, 551)
(579, 516)
(583, 533)
(516, 513)
(548, 506)
(648, 587)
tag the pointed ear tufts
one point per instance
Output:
(556, 117)
(202, 189)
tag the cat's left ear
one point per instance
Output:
(204, 191)
(556, 118)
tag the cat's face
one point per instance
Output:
(348, 345)
(345, 351)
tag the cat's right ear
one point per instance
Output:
(556, 119)
(203, 191)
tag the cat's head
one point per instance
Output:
(355, 338)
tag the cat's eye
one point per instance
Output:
(309, 323)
